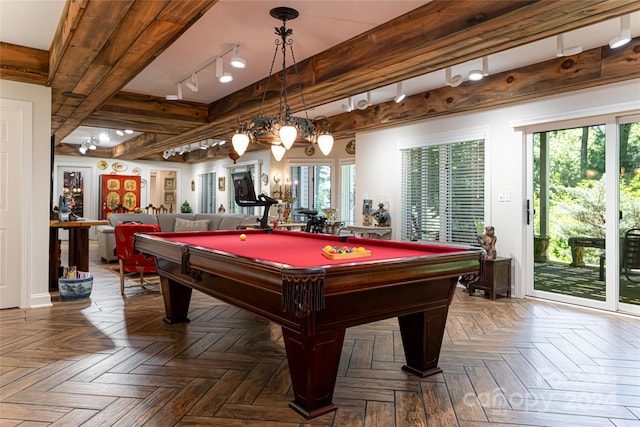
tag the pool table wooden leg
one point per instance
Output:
(313, 365)
(422, 335)
(176, 300)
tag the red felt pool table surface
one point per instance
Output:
(301, 250)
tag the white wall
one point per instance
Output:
(34, 287)
(378, 158)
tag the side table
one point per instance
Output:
(496, 278)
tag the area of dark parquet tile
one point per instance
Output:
(113, 361)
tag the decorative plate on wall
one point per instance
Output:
(119, 167)
(350, 148)
(265, 179)
(102, 165)
(309, 150)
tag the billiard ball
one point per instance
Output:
(243, 237)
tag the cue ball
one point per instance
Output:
(243, 237)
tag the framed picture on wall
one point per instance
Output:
(221, 183)
(169, 183)
(169, 197)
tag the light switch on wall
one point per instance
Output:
(501, 196)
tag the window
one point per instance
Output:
(347, 209)
(443, 192)
(207, 197)
(311, 187)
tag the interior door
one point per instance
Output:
(12, 130)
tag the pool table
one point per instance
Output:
(284, 277)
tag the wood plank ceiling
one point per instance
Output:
(97, 50)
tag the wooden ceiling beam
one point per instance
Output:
(591, 68)
(145, 113)
(429, 38)
(90, 68)
(24, 64)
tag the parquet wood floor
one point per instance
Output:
(112, 361)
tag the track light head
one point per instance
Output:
(364, 103)
(453, 81)
(475, 75)
(175, 97)
(222, 76)
(83, 149)
(400, 95)
(236, 61)
(349, 106)
(119, 133)
(562, 51)
(193, 83)
(165, 154)
(624, 36)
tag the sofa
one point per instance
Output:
(170, 222)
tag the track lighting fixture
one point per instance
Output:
(236, 60)
(453, 81)
(400, 95)
(122, 132)
(193, 83)
(562, 51)
(91, 144)
(223, 77)
(349, 106)
(191, 80)
(624, 36)
(83, 149)
(165, 154)
(364, 103)
(476, 75)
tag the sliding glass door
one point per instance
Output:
(585, 213)
(569, 211)
(629, 196)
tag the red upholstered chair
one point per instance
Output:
(130, 261)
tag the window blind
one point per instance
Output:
(207, 188)
(347, 209)
(443, 192)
